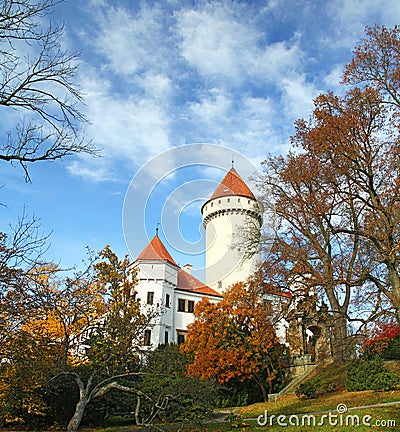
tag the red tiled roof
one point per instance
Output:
(232, 184)
(156, 250)
(187, 282)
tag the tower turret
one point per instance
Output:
(231, 213)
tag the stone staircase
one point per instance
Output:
(307, 367)
(293, 384)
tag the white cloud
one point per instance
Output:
(229, 73)
(212, 110)
(90, 170)
(279, 59)
(298, 97)
(351, 17)
(156, 86)
(132, 127)
(223, 41)
(333, 79)
(129, 43)
(214, 41)
(358, 13)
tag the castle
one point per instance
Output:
(162, 283)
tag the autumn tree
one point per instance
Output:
(29, 359)
(383, 341)
(318, 214)
(354, 136)
(85, 326)
(43, 316)
(375, 66)
(336, 195)
(20, 250)
(105, 355)
(37, 79)
(233, 339)
(375, 63)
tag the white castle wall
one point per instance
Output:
(160, 278)
(226, 220)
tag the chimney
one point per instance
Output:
(187, 268)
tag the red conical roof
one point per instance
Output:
(188, 282)
(156, 250)
(232, 184)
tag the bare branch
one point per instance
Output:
(41, 85)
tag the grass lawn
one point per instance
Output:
(381, 418)
(293, 405)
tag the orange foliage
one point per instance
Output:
(230, 339)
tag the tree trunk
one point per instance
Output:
(84, 397)
(261, 384)
(340, 346)
(394, 294)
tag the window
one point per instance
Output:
(167, 300)
(150, 297)
(181, 336)
(166, 338)
(185, 305)
(181, 305)
(147, 337)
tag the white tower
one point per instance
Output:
(157, 275)
(231, 214)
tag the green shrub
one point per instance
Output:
(329, 388)
(385, 381)
(362, 372)
(307, 390)
(193, 399)
(392, 352)
(316, 387)
(369, 374)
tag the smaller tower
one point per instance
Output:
(157, 275)
(230, 215)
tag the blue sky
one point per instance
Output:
(161, 76)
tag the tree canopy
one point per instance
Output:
(336, 195)
(234, 338)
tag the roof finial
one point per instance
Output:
(157, 225)
(233, 160)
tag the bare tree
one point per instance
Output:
(37, 79)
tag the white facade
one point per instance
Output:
(156, 284)
(173, 292)
(227, 221)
